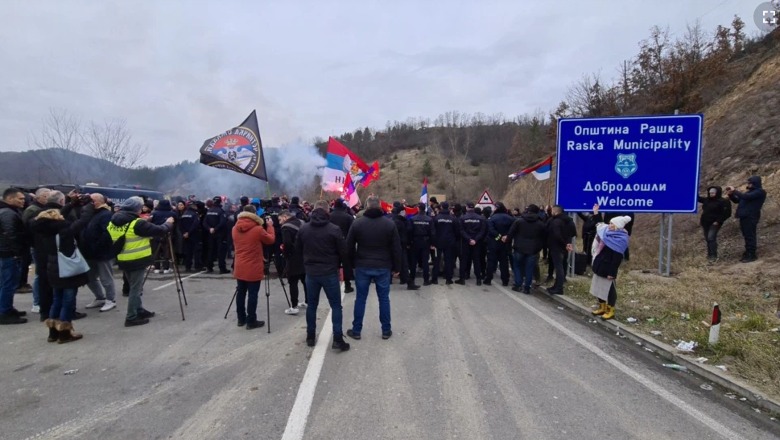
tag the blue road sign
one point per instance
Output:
(633, 164)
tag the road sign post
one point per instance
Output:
(639, 164)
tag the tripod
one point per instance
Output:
(176, 274)
(267, 292)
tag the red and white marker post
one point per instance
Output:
(715, 327)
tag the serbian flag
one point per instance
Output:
(349, 194)
(371, 174)
(424, 194)
(340, 162)
(541, 170)
(411, 211)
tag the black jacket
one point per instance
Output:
(216, 218)
(46, 226)
(714, 209)
(162, 213)
(590, 220)
(528, 234)
(95, 241)
(296, 210)
(142, 228)
(750, 202)
(293, 258)
(341, 218)
(607, 262)
(498, 225)
(402, 225)
(321, 244)
(446, 230)
(189, 222)
(473, 227)
(422, 231)
(560, 231)
(373, 242)
(13, 236)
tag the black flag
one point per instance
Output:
(238, 149)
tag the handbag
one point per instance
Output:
(73, 265)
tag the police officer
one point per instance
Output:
(483, 246)
(498, 249)
(422, 240)
(189, 224)
(403, 227)
(473, 229)
(446, 233)
(215, 223)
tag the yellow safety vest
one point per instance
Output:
(136, 248)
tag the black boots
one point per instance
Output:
(339, 343)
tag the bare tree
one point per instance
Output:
(112, 142)
(59, 134)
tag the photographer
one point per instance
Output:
(249, 237)
(293, 268)
(136, 253)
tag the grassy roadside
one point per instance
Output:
(747, 295)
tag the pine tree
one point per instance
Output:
(427, 169)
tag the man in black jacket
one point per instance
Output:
(215, 224)
(402, 225)
(189, 225)
(590, 220)
(293, 268)
(13, 243)
(527, 237)
(323, 249)
(422, 240)
(749, 213)
(446, 230)
(560, 231)
(343, 219)
(96, 248)
(374, 248)
(715, 210)
(498, 249)
(473, 229)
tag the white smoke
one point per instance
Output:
(293, 167)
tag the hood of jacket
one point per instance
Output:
(164, 205)
(530, 217)
(373, 213)
(50, 214)
(248, 221)
(320, 217)
(718, 192)
(756, 181)
(122, 218)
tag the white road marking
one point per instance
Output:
(296, 423)
(174, 282)
(647, 383)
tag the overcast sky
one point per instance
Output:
(182, 71)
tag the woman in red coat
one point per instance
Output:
(249, 236)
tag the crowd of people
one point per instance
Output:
(314, 247)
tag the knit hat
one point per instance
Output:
(132, 204)
(620, 222)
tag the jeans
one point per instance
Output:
(10, 272)
(63, 304)
(330, 284)
(363, 278)
(246, 300)
(523, 266)
(135, 282)
(101, 279)
(749, 226)
(711, 236)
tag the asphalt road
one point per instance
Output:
(463, 363)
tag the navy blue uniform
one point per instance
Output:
(216, 218)
(472, 227)
(420, 250)
(189, 223)
(446, 230)
(498, 252)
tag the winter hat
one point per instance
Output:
(132, 204)
(295, 200)
(621, 222)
